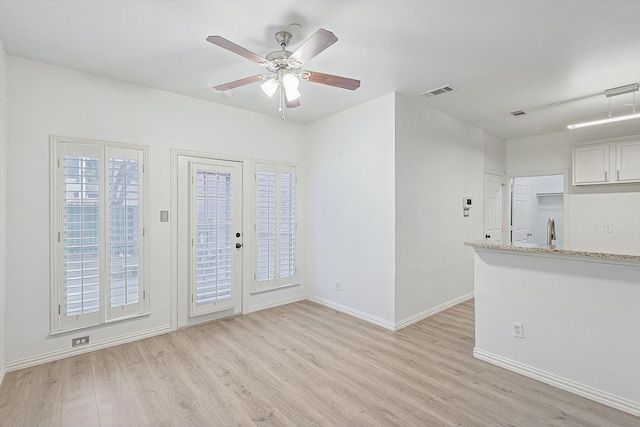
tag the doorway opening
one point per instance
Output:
(535, 199)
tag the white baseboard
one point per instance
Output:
(430, 312)
(74, 351)
(355, 313)
(591, 393)
(258, 307)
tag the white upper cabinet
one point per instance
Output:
(591, 164)
(628, 161)
(607, 162)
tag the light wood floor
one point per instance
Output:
(297, 365)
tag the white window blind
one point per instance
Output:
(98, 231)
(213, 237)
(275, 226)
(124, 231)
(266, 225)
(287, 225)
(81, 243)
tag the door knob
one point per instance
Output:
(238, 245)
(237, 234)
(487, 236)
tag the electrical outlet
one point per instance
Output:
(79, 341)
(338, 284)
(517, 330)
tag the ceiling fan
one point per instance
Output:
(284, 68)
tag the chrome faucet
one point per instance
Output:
(551, 233)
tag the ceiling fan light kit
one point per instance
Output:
(285, 68)
(622, 90)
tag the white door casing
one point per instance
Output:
(209, 235)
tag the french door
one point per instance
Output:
(209, 239)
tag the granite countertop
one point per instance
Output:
(545, 250)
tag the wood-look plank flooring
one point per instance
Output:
(297, 365)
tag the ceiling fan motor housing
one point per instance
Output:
(283, 38)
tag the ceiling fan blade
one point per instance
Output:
(238, 83)
(292, 104)
(232, 47)
(315, 44)
(331, 80)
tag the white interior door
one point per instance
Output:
(493, 207)
(520, 210)
(209, 239)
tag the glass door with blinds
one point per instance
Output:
(210, 241)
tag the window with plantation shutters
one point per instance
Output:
(275, 226)
(98, 233)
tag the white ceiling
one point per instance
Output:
(499, 55)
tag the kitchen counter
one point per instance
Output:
(568, 318)
(537, 249)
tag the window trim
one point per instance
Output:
(55, 142)
(277, 282)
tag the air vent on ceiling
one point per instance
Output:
(517, 113)
(437, 91)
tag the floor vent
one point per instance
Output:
(437, 91)
(517, 113)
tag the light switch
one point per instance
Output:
(607, 228)
(164, 216)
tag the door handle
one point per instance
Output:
(238, 245)
(487, 236)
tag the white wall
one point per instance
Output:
(351, 210)
(495, 154)
(53, 100)
(588, 208)
(439, 160)
(3, 204)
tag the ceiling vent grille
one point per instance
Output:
(437, 91)
(517, 113)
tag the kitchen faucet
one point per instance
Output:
(551, 233)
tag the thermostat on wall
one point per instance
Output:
(466, 205)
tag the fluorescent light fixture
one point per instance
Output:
(609, 93)
(622, 90)
(269, 87)
(603, 121)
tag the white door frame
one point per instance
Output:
(174, 221)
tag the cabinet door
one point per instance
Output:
(591, 164)
(628, 161)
